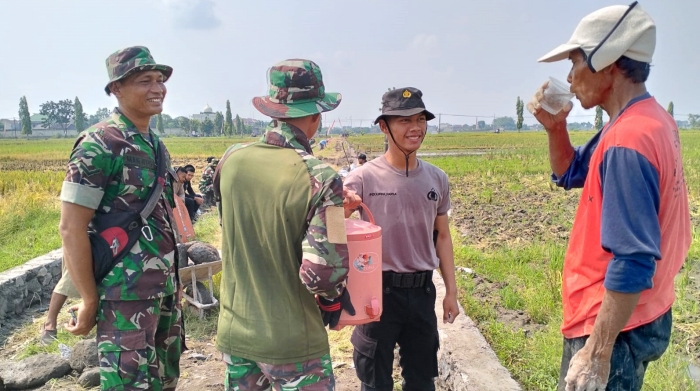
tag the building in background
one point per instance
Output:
(207, 112)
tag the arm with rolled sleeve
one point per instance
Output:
(629, 222)
(630, 231)
(90, 170)
(324, 265)
(575, 175)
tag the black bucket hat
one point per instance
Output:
(403, 102)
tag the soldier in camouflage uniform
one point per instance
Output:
(283, 241)
(111, 169)
(206, 183)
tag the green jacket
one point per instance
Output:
(275, 248)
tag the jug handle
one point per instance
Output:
(369, 214)
(372, 310)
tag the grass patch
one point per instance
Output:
(510, 226)
(29, 215)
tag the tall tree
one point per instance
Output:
(239, 125)
(506, 123)
(184, 124)
(59, 113)
(80, 119)
(167, 121)
(598, 118)
(194, 125)
(24, 118)
(670, 108)
(694, 120)
(219, 123)
(207, 126)
(159, 124)
(519, 112)
(100, 115)
(228, 126)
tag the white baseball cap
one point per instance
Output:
(608, 34)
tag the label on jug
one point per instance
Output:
(365, 262)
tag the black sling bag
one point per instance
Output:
(113, 235)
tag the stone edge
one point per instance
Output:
(29, 283)
(465, 360)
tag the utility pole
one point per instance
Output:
(439, 122)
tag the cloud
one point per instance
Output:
(424, 42)
(193, 14)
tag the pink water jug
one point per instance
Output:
(365, 275)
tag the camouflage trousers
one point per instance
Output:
(139, 344)
(246, 375)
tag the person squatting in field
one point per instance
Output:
(193, 201)
(631, 232)
(410, 199)
(206, 182)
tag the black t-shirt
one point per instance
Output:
(189, 191)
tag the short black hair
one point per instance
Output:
(189, 168)
(362, 156)
(181, 169)
(636, 71)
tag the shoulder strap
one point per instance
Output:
(158, 188)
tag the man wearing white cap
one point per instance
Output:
(631, 232)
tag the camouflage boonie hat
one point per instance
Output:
(125, 62)
(404, 102)
(296, 90)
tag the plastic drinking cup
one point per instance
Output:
(556, 96)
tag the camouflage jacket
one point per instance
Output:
(283, 235)
(112, 168)
(206, 183)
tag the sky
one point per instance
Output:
(469, 57)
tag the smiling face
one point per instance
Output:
(141, 93)
(591, 89)
(408, 132)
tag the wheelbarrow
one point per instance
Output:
(201, 298)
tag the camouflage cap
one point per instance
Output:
(125, 62)
(403, 102)
(296, 90)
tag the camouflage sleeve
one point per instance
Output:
(91, 168)
(324, 265)
(354, 182)
(205, 183)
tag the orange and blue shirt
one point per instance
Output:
(631, 232)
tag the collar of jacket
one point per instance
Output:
(119, 120)
(285, 135)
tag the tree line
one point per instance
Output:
(63, 113)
